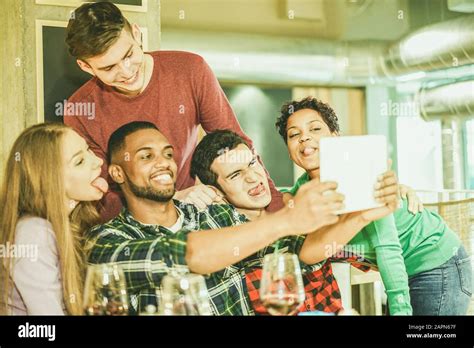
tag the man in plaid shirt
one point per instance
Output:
(154, 235)
(224, 160)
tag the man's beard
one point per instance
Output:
(151, 193)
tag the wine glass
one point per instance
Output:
(105, 291)
(281, 288)
(184, 294)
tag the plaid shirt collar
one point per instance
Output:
(188, 212)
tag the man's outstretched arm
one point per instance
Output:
(313, 207)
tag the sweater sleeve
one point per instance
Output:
(384, 238)
(216, 113)
(36, 274)
(85, 130)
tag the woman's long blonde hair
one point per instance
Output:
(33, 184)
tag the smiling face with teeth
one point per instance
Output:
(242, 178)
(145, 166)
(122, 66)
(305, 128)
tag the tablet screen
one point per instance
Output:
(354, 162)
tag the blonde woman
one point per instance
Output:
(50, 180)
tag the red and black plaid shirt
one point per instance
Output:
(321, 288)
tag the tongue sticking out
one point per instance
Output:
(100, 184)
(257, 190)
(308, 151)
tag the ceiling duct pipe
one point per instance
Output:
(442, 45)
(453, 100)
(259, 58)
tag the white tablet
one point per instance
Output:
(354, 162)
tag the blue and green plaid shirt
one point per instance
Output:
(146, 253)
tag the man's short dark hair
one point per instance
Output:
(93, 28)
(209, 148)
(117, 139)
(323, 109)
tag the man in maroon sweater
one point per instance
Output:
(176, 91)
